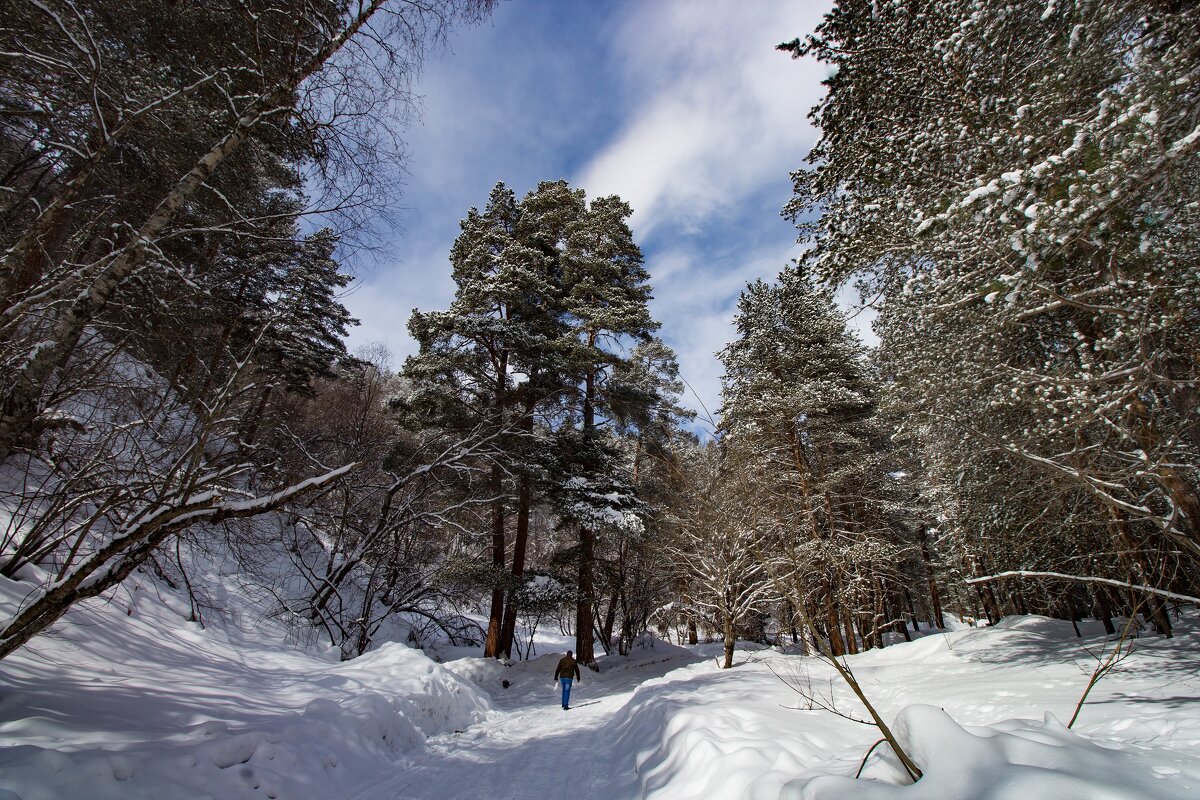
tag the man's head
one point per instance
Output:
(568, 652)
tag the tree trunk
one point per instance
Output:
(491, 646)
(251, 422)
(524, 502)
(912, 609)
(730, 641)
(1073, 611)
(883, 617)
(610, 622)
(851, 639)
(631, 627)
(991, 606)
(791, 621)
(508, 631)
(584, 637)
(1104, 610)
(1181, 492)
(833, 627)
(935, 596)
(1139, 565)
(1018, 602)
(986, 596)
(901, 623)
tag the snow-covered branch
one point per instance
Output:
(1022, 573)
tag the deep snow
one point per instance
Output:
(128, 700)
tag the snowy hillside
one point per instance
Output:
(128, 700)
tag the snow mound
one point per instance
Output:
(129, 701)
(1013, 760)
(318, 750)
(325, 747)
(432, 697)
(712, 733)
(502, 679)
(646, 651)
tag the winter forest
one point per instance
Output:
(241, 559)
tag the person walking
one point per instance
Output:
(567, 669)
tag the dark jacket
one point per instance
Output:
(566, 666)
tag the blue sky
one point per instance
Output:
(681, 107)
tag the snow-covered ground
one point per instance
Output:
(128, 700)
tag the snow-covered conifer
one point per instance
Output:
(799, 404)
(1015, 186)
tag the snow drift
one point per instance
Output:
(126, 700)
(1012, 760)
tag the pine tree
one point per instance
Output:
(605, 304)
(635, 575)
(303, 323)
(799, 404)
(470, 354)
(551, 292)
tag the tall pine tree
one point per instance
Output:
(606, 306)
(465, 374)
(799, 405)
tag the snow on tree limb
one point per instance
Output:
(1022, 573)
(113, 563)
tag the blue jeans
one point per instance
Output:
(566, 687)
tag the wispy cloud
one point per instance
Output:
(715, 109)
(716, 119)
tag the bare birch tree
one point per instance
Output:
(723, 541)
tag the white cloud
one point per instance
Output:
(715, 114)
(716, 110)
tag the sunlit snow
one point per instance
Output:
(128, 700)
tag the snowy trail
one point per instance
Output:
(534, 753)
(531, 748)
(694, 731)
(154, 709)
